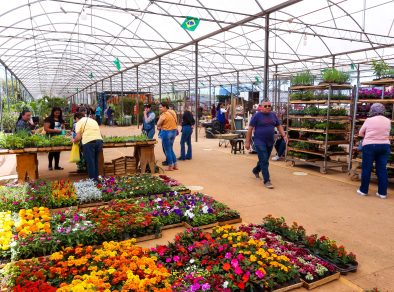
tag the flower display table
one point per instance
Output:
(27, 162)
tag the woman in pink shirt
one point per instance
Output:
(375, 148)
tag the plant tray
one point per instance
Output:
(130, 143)
(16, 151)
(109, 145)
(148, 237)
(55, 210)
(184, 192)
(342, 270)
(176, 225)
(288, 288)
(209, 226)
(57, 148)
(321, 282)
(92, 205)
(232, 221)
(31, 149)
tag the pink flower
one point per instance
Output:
(259, 274)
(234, 263)
(238, 271)
(228, 255)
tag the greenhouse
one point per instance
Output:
(195, 145)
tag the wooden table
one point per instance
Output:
(27, 162)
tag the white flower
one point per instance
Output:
(189, 214)
(87, 191)
(205, 209)
(225, 284)
(191, 261)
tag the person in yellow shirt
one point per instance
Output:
(88, 131)
(168, 127)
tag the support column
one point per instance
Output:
(333, 61)
(138, 98)
(210, 92)
(266, 56)
(352, 133)
(160, 79)
(6, 90)
(12, 84)
(196, 90)
(190, 96)
(110, 85)
(96, 93)
(121, 95)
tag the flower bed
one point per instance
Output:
(193, 209)
(322, 246)
(114, 266)
(227, 260)
(6, 235)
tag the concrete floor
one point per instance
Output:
(323, 204)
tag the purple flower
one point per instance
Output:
(176, 258)
(259, 274)
(228, 255)
(195, 287)
(205, 287)
(168, 260)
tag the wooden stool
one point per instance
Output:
(237, 145)
(146, 155)
(27, 167)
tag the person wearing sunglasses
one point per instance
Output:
(263, 124)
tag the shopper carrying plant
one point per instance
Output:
(149, 121)
(263, 124)
(375, 148)
(54, 126)
(167, 125)
(25, 123)
(188, 123)
(88, 131)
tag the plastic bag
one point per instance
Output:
(74, 154)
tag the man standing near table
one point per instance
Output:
(263, 124)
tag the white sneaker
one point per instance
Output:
(361, 193)
(275, 158)
(381, 196)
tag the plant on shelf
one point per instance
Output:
(302, 79)
(302, 95)
(304, 146)
(312, 111)
(380, 68)
(332, 75)
(335, 148)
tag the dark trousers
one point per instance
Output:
(91, 153)
(98, 120)
(186, 138)
(263, 153)
(378, 153)
(51, 156)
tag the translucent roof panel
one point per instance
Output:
(59, 47)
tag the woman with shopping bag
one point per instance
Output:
(88, 131)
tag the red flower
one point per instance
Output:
(241, 285)
(226, 266)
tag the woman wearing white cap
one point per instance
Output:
(375, 148)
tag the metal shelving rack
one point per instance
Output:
(355, 163)
(323, 160)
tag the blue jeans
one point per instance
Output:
(280, 147)
(186, 138)
(150, 133)
(168, 138)
(91, 153)
(263, 153)
(378, 153)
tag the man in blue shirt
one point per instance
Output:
(263, 124)
(149, 121)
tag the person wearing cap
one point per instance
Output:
(375, 133)
(149, 121)
(263, 124)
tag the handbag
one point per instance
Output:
(74, 154)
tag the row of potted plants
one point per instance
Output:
(315, 111)
(308, 95)
(329, 75)
(23, 140)
(375, 93)
(321, 246)
(59, 194)
(249, 258)
(35, 232)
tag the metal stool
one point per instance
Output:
(237, 145)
